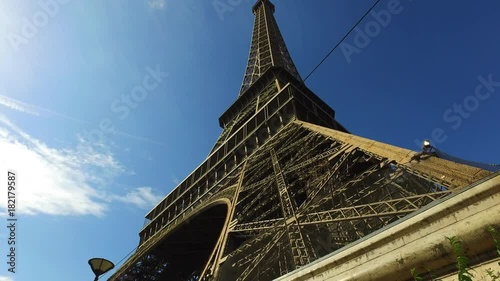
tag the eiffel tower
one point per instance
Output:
(285, 183)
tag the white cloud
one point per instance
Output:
(175, 180)
(18, 106)
(61, 181)
(38, 110)
(141, 197)
(6, 278)
(33, 109)
(157, 4)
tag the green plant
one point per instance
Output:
(416, 275)
(462, 260)
(464, 273)
(495, 233)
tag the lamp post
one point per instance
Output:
(100, 266)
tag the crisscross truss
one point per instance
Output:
(303, 194)
(267, 48)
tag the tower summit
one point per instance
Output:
(284, 185)
(270, 68)
(267, 48)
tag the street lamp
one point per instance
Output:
(100, 266)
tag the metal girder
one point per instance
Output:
(400, 206)
(260, 256)
(287, 205)
(254, 185)
(251, 205)
(249, 244)
(324, 179)
(258, 225)
(317, 158)
(300, 250)
(440, 171)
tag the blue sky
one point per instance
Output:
(67, 68)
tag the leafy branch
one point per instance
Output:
(495, 233)
(416, 275)
(461, 258)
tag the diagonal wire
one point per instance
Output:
(116, 265)
(342, 40)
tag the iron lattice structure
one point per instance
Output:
(284, 185)
(268, 47)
